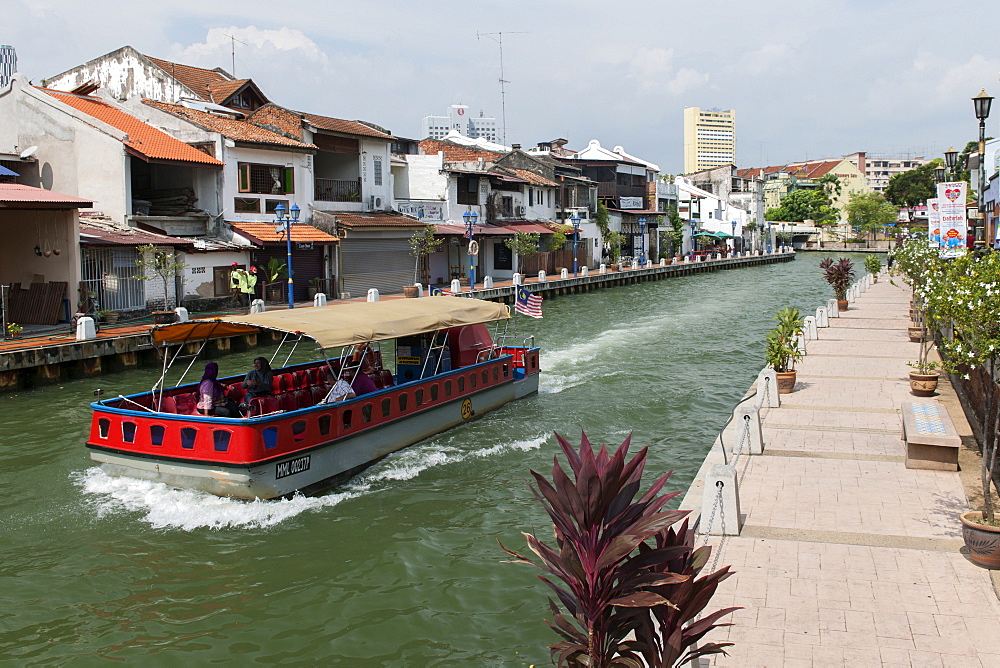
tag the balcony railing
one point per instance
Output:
(336, 190)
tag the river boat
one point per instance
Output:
(434, 360)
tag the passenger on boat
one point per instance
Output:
(212, 399)
(258, 380)
(341, 389)
(362, 383)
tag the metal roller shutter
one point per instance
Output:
(385, 264)
(306, 265)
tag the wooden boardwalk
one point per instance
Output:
(847, 557)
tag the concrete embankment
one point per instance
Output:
(38, 361)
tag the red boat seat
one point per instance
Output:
(167, 405)
(275, 384)
(286, 382)
(386, 378)
(303, 399)
(187, 403)
(264, 405)
(300, 379)
(236, 392)
(287, 401)
(316, 375)
(318, 393)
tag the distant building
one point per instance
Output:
(709, 138)
(461, 121)
(878, 168)
(8, 64)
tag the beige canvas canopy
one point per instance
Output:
(344, 324)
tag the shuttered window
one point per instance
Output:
(266, 179)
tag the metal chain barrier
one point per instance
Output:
(715, 507)
(722, 542)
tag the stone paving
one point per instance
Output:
(847, 557)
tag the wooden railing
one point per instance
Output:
(336, 190)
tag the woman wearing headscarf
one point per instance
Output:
(258, 381)
(212, 398)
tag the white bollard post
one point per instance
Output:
(863, 285)
(767, 388)
(564, 273)
(603, 269)
(319, 299)
(800, 343)
(488, 283)
(517, 279)
(257, 306)
(822, 317)
(746, 417)
(373, 294)
(585, 270)
(635, 264)
(720, 503)
(810, 327)
(182, 314)
(663, 262)
(541, 276)
(85, 329)
(420, 289)
(456, 286)
(832, 309)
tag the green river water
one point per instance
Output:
(400, 566)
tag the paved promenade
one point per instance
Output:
(846, 556)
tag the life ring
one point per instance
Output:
(473, 248)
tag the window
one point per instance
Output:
(266, 179)
(324, 424)
(104, 425)
(270, 436)
(377, 169)
(271, 204)
(366, 413)
(461, 384)
(472, 381)
(434, 392)
(187, 437)
(298, 430)
(447, 388)
(156, 432)
(486, 377)
(420, 397)
(386, 407)
(128, 432)
(220, 438)
(402, 402)
(347, 416)
(506, 206)
(468, 190)
(531, 197)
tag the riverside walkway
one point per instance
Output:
(846, 557)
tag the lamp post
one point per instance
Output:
(782, 235)
(950, 160)
(642, 242)
(470, 222)
(982, 103)
(692, 240)
(939, 173)
(576, 239)
(285, 224)
(734, 234)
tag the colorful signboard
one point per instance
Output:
(954, 226)
(933, 223)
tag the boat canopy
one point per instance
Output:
(344, 324)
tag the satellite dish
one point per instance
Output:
(28, 152)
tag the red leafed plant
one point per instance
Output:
(611, 581)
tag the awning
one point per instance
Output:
(6, 172)
(477, 230)
(530, 227)
(344, 324)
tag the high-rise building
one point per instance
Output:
(459, 120)
(709, 138)
(8, 64)
(878, 168)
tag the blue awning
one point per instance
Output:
(6, 172)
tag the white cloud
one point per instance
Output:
(686, 79)
(253, 44)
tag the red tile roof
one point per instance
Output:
(197, 79)
(455, 152)
(376, 219)
(345, 127)
(15, 196)
(221, 91)
(107, 236)
(228, 127)
(143, 139)
(265, 233)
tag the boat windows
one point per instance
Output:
(298, 430)
(128, 432)
(496, 374)
(486, 376)
(270, 436)
(386, 407)
(461, 384)
(366, 413)
(447, 388)
(506, 370)
(419, 395)
(324, 424)
(220, 439)
(188, 435)
(104, 426)
(402, 401)
(472, 381)
(434, 392)
(347, 416)
(156, 432)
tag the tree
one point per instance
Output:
(831, 185)
(800, 205)
(523, 244)
(154, 262)
(422, 244)
(676, 234)
(913, 187)
(870, 212)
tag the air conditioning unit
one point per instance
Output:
(374, 203)
(519, 210)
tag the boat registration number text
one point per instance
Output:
(291, 467)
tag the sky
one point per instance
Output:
(808, 79)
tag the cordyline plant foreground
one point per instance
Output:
(627, 579)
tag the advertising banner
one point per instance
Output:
(933, 223)
(954, 228)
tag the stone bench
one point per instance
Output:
(930, 437)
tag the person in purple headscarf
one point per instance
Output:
(212, 398)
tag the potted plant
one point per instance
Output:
(165, 265)
(873, 265)
(313, 287)
(781, 349)
(422, 244)
(614, 241)
(14, 330)
(274, 277)
(108, 316)
(523, 245)
(839, 274)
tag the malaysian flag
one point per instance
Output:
(528, 304)
(438, 292)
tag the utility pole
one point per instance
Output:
(503, 91)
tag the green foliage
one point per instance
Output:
(780, 348)
(873, 264)
(602, 219)
(617, 567)
(672, 240)
(831, 185)
(800, 205)
(422, 244)
(156, 263)
(523, 244)
(913, 187)
(557, 240)
(273, 271)
(870, 212)
(778, 213)
(614, 241)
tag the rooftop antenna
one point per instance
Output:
(503, 91)
(234, 40)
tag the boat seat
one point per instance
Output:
(187, 403)
(387, 379)
(286, 382)
(317, 375)
(167, 405)
(236, 392)
(287, 401)
(275, 384)
(318, 393)
(301, 379)
(303, 398)
(264, 405)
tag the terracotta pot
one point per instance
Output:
(874, 278)
(915, 333)
(842, 304)
(923, 384)
(786, 381)
(982, 541)
(112, 318)
(614, 266)
(410, 291)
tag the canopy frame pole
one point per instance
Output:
(276, 350)
(169, 365)
(431, 347)
(294, 347)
